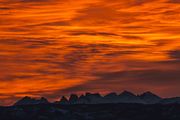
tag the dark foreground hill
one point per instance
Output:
(125, 111)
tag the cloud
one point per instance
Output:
(51, 23)
(136, 80)
(149, 77)
(57, 47)
(173, 1)
(32, 1)
(91, 33)
(175, 54)
(132, 37)
(4, 8)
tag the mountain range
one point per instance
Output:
(96, 98)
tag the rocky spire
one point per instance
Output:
(64, 100)
(73, 99)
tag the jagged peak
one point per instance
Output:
(112, 94)
(27, 97)
(43, 99)
(150, 94)
(73, 97)
(93, 94)
(127, 93)
(63, 99)
(146, 97)
(28, 100)
(87, 93)
(81, 96)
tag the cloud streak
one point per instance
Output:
(56, 47)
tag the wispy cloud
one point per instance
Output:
(55, 47)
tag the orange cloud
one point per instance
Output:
(49, 47)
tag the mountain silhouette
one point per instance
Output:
(94, 106)
(28, 101)
(150, 98)
(96, 98)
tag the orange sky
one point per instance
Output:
(57, 47)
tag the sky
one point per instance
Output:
(52, 48)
